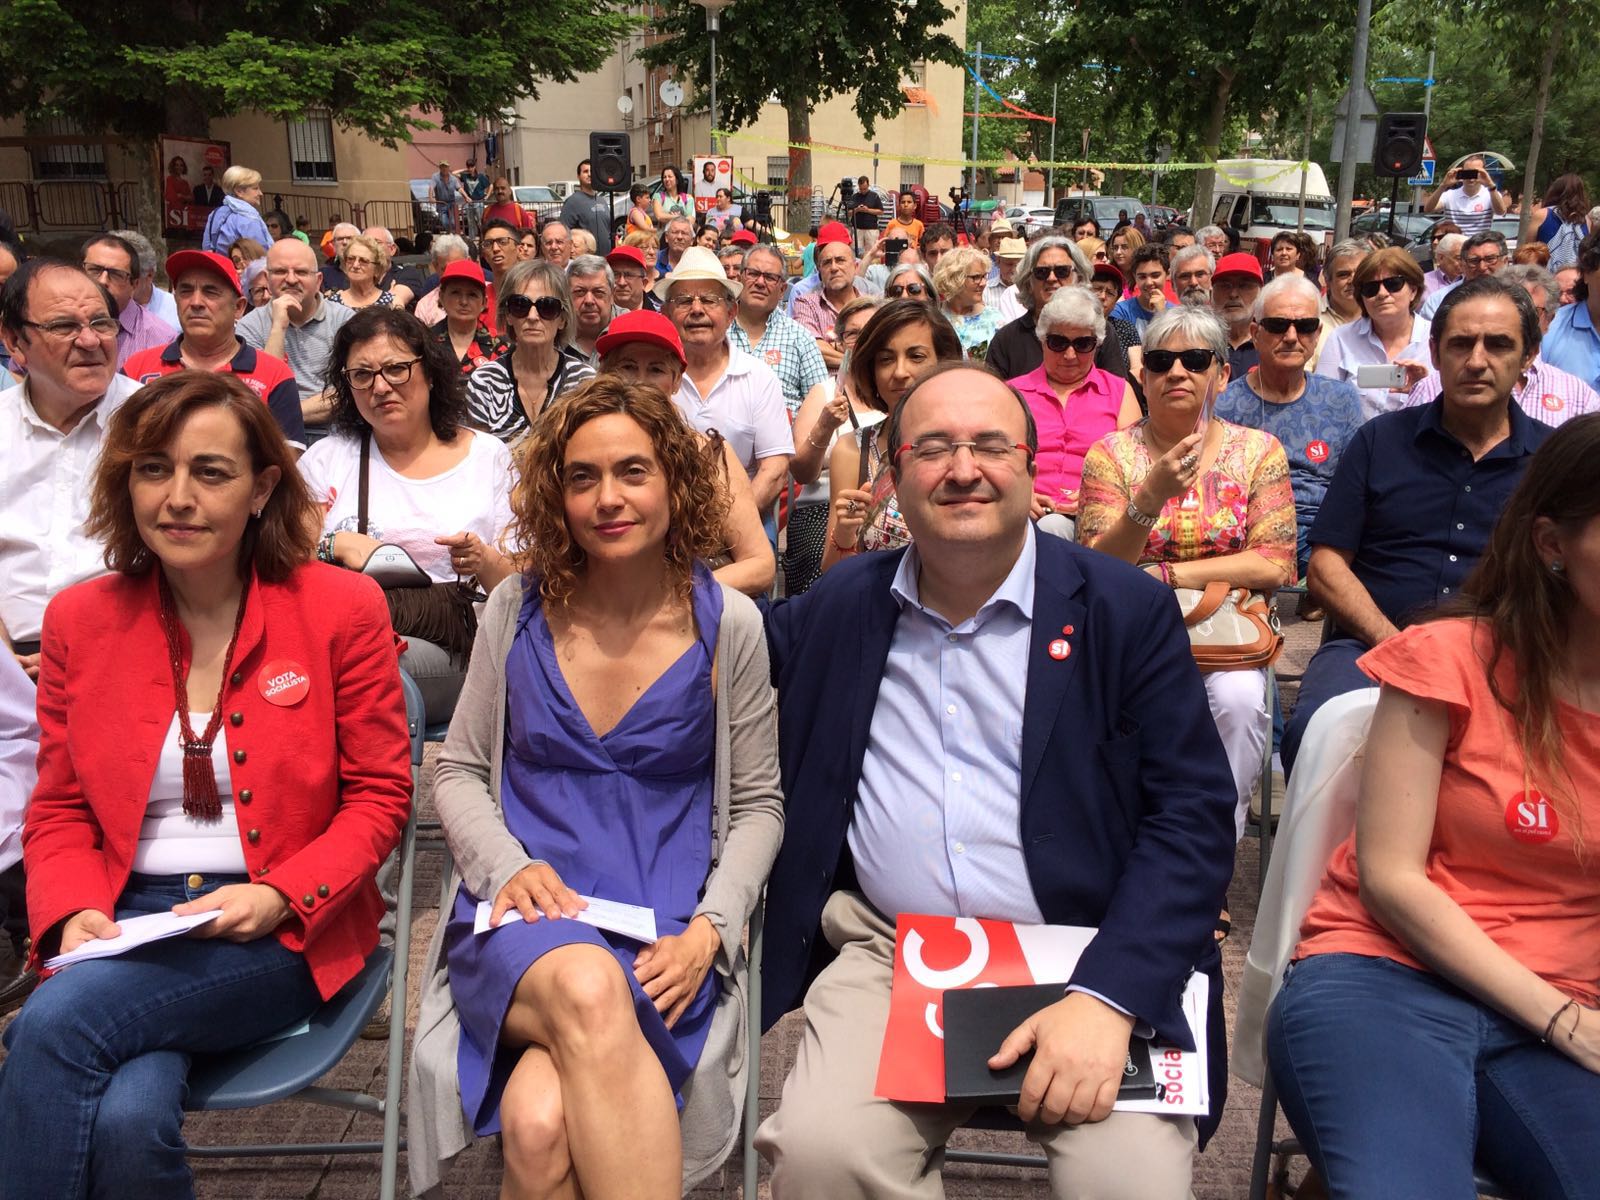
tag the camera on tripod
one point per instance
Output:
(847, 188)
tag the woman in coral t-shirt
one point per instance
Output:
(1441, 1005)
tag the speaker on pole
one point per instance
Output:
(1399, 145)
(608, 161)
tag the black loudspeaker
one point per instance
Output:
(1399, 146)
(608, 161)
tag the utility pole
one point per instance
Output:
(1050, 172)
(1352, 123)
(977, 107)
(1427, 107)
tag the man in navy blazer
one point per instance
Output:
(992, 723)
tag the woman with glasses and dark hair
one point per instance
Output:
(401, 468)
(1074, 403)
(1389, 290)
(537, 320)
(904, 339)
(1194, 499)
(222, 736)
(1443, 995)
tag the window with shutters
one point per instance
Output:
(311, 148)
(777, 170)
(80, 161)
(910, 173)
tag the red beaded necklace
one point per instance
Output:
(200, 799)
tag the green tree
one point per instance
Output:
(171, 66)
(804, 52)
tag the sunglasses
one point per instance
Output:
(548, 307)
(1194, 361)
(1061, 271)
(1392, 284)
(1304, 326)
(907, 289)
(1057, 343)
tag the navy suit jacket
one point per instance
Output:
(1127, 819)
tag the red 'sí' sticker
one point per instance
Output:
(1531, 818)
(284, 683)
(1317, 451)
(1060, 648)
(1551, 402)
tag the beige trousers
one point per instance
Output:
(832, 1139)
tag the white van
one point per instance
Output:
(1261, 196)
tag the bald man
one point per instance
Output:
(298, 325)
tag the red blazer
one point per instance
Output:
(322, 785)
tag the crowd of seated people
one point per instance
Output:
(955, 715)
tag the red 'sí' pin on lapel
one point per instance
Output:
(1060, 648)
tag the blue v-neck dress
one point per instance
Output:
(625, 817)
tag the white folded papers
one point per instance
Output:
(136, 931)
(630, 920)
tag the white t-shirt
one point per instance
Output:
(170, 841)
(474, 496)
(745, 405)
(1472, 213)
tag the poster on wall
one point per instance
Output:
(191, 185)
(710, 173)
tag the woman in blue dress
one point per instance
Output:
(615, 739)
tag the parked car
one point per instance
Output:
(1104, 209)
(1163, 215)
(1410, 229)
(536, 200)
(1032, 222)
(425, 216)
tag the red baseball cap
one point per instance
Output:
(1109, 271)
(1238, 264)
(463, 269)
(627, 254)
(205, 260)
(743, 238)
(833, 231)
(641, 325)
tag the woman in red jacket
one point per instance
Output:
(222, 732)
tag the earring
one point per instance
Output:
(1557, 567)
(257, 514)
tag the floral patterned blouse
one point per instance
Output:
(1245, 502)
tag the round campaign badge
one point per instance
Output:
(1552, 403)
(284, 683)
(1060, 648)
(1530, 818)
(1317, 451)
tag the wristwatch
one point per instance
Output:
(1139, 517)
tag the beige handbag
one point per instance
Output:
(1230, 629)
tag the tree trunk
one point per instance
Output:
(1205, 181)
(798, 216)
(1530, 172)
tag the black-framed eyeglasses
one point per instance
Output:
(548, 307)
(96, 271)
(1483, 260)
(754, 276)
(1057, 343)
(495, 243)
(1194, 361)
(937, 448)
(104, 326)
(898, 290)
(1061, 271)
(1391, 284)
(362, 379)
(1304, 326)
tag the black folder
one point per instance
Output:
(977, 1020)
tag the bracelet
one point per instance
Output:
(811, 441)
(1166, 574)
(325, 550)
(1141, 518)
(1550, 1028)
(838, 549)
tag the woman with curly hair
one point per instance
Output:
(616, 740)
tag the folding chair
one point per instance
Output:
(1318, 814)
(289, 1064)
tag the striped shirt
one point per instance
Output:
(1545, 393)
(790, 351)
(495, 405)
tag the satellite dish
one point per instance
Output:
(672, 93)
(624, 105)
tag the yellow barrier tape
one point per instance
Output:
(1292, 170)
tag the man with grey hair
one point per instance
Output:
(333, 276)
(446, 249)
(1482, 254)
(158, 300)
(1313, 416)
(763, 330)
(1235, 284)
(1192, 267)
(1215, 239)
(1446, 269)
(555, 243)
(1050, 264)
(675, 239)
(1546, 393)
(298, 325)
(592, 284)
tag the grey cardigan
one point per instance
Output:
(746, 832)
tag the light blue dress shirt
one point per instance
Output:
(1572, 343)
(938, 817)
